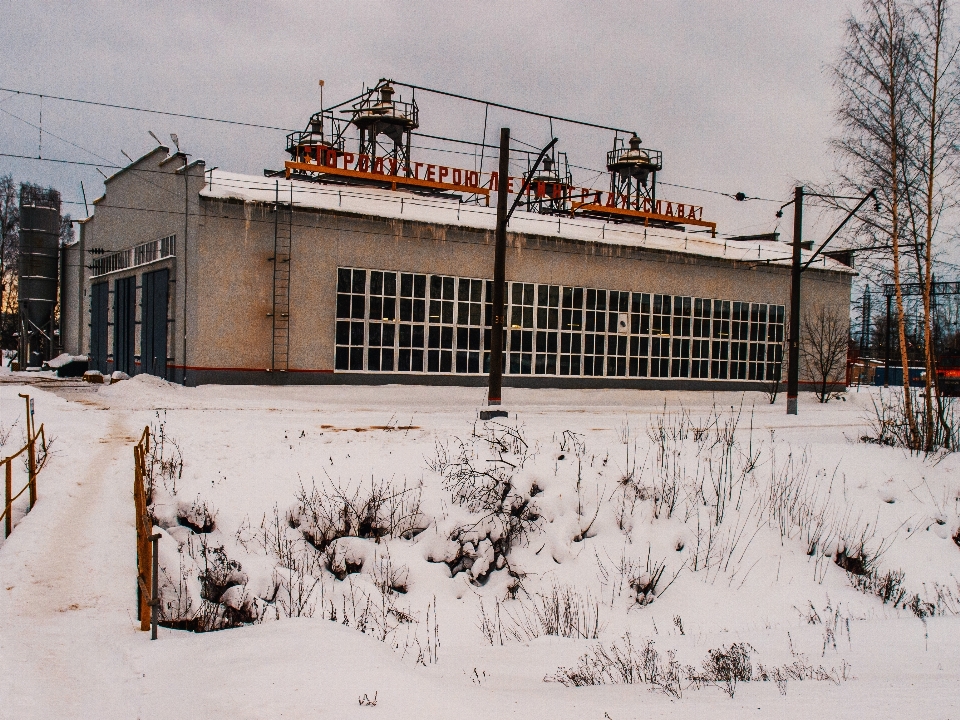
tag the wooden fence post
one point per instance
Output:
(31, 455)
(8, 487)
(32, 477)
(144, 549)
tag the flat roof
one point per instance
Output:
(405, 205)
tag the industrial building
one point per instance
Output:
(359, 262)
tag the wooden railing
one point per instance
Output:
(144, 531)
(33, 469)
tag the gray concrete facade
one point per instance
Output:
(220, 327)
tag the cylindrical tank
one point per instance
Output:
(38, 272)
(634, 162)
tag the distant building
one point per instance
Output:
(202, 276)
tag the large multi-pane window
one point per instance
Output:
(413, 318)
(520, 318)
(488, 324)
(758, 341)
(682, 326)
(774, 342)
(548, 327)
(700, 344)
(639, 334)
(469, 324)
(720, 346)
(351, 314)
(660, 337)
(595, 332)
(382, 325)
(571, 331)
(441, 324)
(391, 321)
(618, 333)
(739, 335)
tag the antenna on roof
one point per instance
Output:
(321, 95)
(83, 192)
(176, 141)
(126, 156)
(150, 133)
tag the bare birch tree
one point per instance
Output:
(936, 96)
(876, 77)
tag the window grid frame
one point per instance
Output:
(710, 326)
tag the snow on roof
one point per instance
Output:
(405, 205)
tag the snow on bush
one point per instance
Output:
(544, 532)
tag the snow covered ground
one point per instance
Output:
(572, 504)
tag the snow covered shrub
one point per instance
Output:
(297, 572)
(164, 461)
(219, 576)
(644, 583)
(490, 625)
(703, 464)
(624, 664)
(724, 667)
(629, 573)
(179, 592)
(564, 612)
(375, 511)
(887, 586)
(482, 476)
(389, 577)
(201, 588)
(801, 669)
(199, 516)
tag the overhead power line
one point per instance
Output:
(510, 107)
(424, 135)
(145, 110)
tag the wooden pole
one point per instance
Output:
(144, 549)
(29, 417)
(32, 465)
(8, 487)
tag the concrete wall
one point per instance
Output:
(235, 275)
(222, 275)
(146, 201)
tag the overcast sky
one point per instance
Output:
(737, 95)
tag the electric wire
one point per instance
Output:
(146, 110)
(117, 106)
(507, 107)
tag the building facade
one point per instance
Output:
(209, 277)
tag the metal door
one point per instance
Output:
(153, 328)
(99, 321)
(124, 324)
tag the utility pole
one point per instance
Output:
(793, 371)
(495, 385)
(495, 378)
(793, 362)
